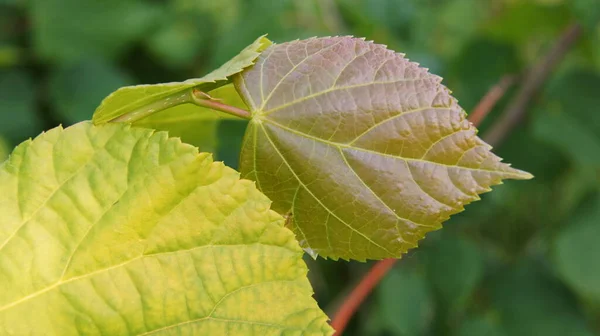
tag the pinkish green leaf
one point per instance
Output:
(364, 151)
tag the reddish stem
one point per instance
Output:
(202, 99)
(359, 293)
(487, 103)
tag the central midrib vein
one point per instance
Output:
(360, 149)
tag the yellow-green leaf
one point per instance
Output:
(130, 99)
(113, 230)
(364, 150)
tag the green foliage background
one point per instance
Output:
(523, 261)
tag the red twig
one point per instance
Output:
(510, 118)
(487, 103)
(360, 293)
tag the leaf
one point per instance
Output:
(392, 14)
(76, 89)
(181, 37)
(576, 141)
(453, 26)
(195, 125)
(587, 12)
(542, 22)
(406, 303)
(130, 98)
(480, 326)
(364, 150)
(455, 267)
(114, 230)
(71, 30)
(570, 110)
(225, 12)
(253, 17)
(18, 118)
(179, 41)
(11, 51)
(577, 253)
(575, 92)
(531, 301)
(9, 56)
(575, 185)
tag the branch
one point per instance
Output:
(360, 293)
(533, 81)
(499, 130)
(491, 98)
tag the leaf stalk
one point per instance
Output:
(202, 99)
(190, 96)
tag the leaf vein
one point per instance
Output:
(422, 189)
(210, 317)
(58, 188)
(334, 89)
(58, 284)
(375, 194)
(438, 141)
(264, 102)
(352, 229)
(293, 214)
(401, 114)
(348, 64)
(341, 145)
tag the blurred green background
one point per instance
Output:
(523, 261)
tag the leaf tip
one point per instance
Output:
(523, 175)
(517, 174)
(263, 43)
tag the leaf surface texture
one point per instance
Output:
(362, 149)
(113, 230)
